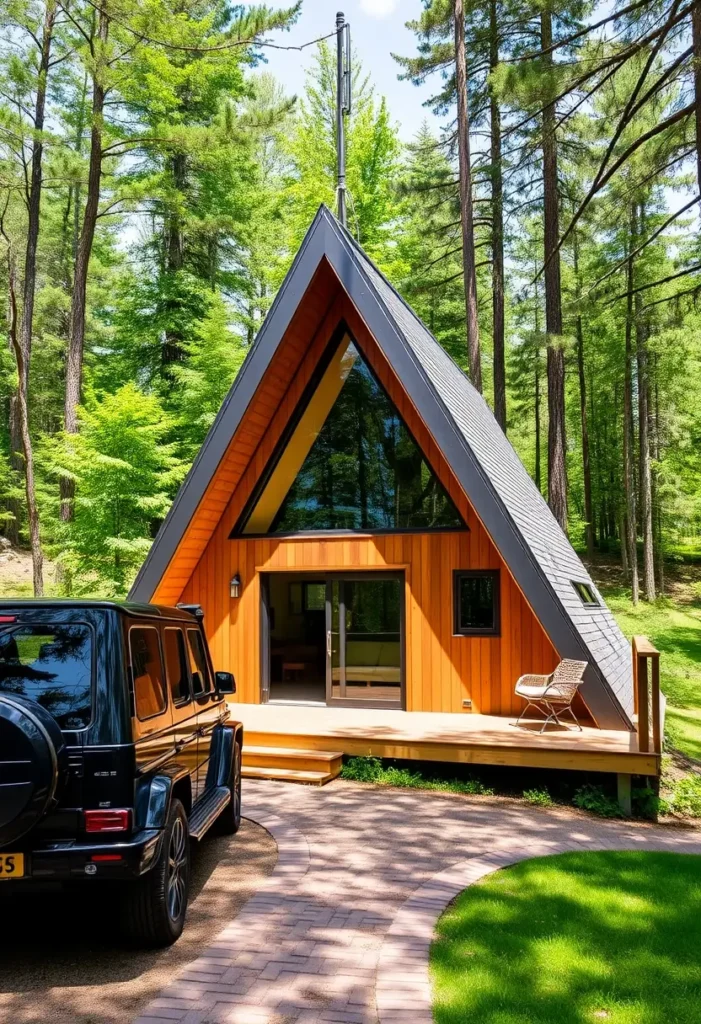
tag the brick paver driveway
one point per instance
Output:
(340, 932)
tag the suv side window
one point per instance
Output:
(201, 682)
(176, 667)
(147, 666)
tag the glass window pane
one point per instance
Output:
(373, 639)
(198, 663)
(176, 666)
(476, 596)
(360, 467)
(314, 597)
(51, 665)
(149, 688)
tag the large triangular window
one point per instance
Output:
(348, 462)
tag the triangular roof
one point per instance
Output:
(504, 497)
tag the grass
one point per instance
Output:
(675, 629)
(572, 939)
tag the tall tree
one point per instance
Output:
(466, 210)
(557, 437)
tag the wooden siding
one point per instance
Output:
(442, 670)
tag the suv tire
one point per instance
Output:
(155, 906)
(230, 818)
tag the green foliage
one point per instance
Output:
(538, 797)
(686, 797)
(124, 472)
(372, 769)
(597, 801)
(579, 937)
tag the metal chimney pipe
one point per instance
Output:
(340, 127)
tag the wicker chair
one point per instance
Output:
(552, 695)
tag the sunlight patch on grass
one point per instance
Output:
(574, 938)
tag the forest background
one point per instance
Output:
(156, 181)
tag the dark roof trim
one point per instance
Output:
(327, 239)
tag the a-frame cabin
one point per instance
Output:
(375, 565)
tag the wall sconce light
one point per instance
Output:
(235, 586)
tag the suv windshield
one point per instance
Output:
(51, 664)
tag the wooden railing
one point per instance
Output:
(646, 686)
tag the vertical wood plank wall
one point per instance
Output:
(442, 670)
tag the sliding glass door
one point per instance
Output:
(364, 640)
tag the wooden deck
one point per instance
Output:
(433, 736)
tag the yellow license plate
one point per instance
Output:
(11, 865)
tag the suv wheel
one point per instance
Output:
(157, 903)
(230, 818)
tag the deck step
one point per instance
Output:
(308, 778)
(292, 759)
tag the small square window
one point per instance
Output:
(476, 602)
(585, 592)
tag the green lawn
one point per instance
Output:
(675, 629)
(582, 937)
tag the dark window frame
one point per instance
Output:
(182, 701)
(586, 594)
(164, 680)
(493, 574)
(209, 686)
(238, 531)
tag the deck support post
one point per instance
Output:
(625, 800)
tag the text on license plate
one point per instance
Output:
(11, 865)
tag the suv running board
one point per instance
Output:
(207, 810)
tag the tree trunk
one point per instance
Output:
(33, 200)
(536, 328)
(696, 43)
(76, 340)
(34, 195)
(644, 443)
(557, 442)
(172, 351)
(27, 449)
(656, 447)
(497, 230)
(628, 479)
(466, 213)
(586, 464)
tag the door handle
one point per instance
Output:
(328, 643)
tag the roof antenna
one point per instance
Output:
(343, 106)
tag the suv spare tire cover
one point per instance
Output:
(32, 764)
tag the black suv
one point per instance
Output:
(116, 748)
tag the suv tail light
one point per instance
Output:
(107, 821)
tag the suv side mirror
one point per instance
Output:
(225, 682)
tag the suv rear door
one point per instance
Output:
(153, 733)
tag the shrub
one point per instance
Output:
(538, 797)
(595, 799)
(686, 799)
